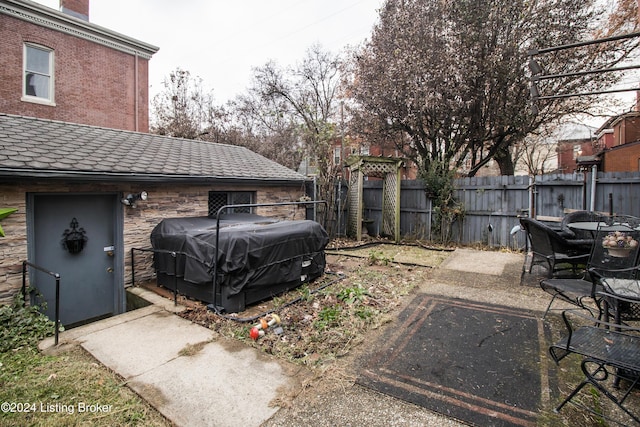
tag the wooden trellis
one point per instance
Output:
(387, 168)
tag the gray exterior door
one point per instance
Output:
(90, 284)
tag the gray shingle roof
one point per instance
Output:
(31, 147)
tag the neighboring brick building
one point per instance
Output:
(72, 96)
(59, 66)
(622, 153)
(617, 148)
(622, 158)
(342, 151)
(569, 151)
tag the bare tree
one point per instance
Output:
(307, 96)
(452, 76)
(267, 128)
(183, 109)
(537, 152)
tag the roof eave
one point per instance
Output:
(12, 174)
(45, 16)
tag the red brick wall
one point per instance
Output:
(627, 130)
(567, 155)
(623, 159)
(79, 6)
(94, 84)
(566, 159)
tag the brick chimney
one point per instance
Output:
(76, 8)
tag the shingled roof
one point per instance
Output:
(37, 148)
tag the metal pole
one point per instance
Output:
(133, 271)
(581, 44)
(584, 191)
(175, 280)
(57, 300)
(315, 197)
(24, 282)
(532, 210)
(57, 276)
(611, 204)
(597, 92)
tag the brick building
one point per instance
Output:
(59, 66)
(73, 164)
(617, 145)
(622, 153)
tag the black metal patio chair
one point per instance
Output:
(619, 299)
(608, 351)
(614, 257)
(553, 251)
(579, 216)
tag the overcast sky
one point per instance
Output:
(222, 40)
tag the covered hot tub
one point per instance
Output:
(256, 257)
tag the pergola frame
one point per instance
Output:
(387, 168)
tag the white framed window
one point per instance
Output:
(577, 151)
(38, 74)
(337, 155)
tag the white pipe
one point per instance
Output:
(531, 181)
(592, 202)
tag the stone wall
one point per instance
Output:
(13, 247)
(164, 201)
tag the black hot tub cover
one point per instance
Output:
(252, 248)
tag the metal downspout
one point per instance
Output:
(136, 94)
(531, 189)
(592, 202)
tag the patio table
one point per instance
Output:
(595, 225)
(587, 225)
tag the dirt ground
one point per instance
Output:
(330, 317)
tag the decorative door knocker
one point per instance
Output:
(74, 238)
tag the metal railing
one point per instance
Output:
(173, 254)
(56, 276)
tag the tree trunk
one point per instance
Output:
(505, 162)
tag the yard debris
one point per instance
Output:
(327, 322)
(261, 328)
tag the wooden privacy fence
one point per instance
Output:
(492, 205)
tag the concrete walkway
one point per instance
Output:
(176, 366)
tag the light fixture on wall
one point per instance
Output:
(131, 199)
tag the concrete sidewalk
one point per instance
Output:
(177, 367)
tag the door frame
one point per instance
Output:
(120, 300)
